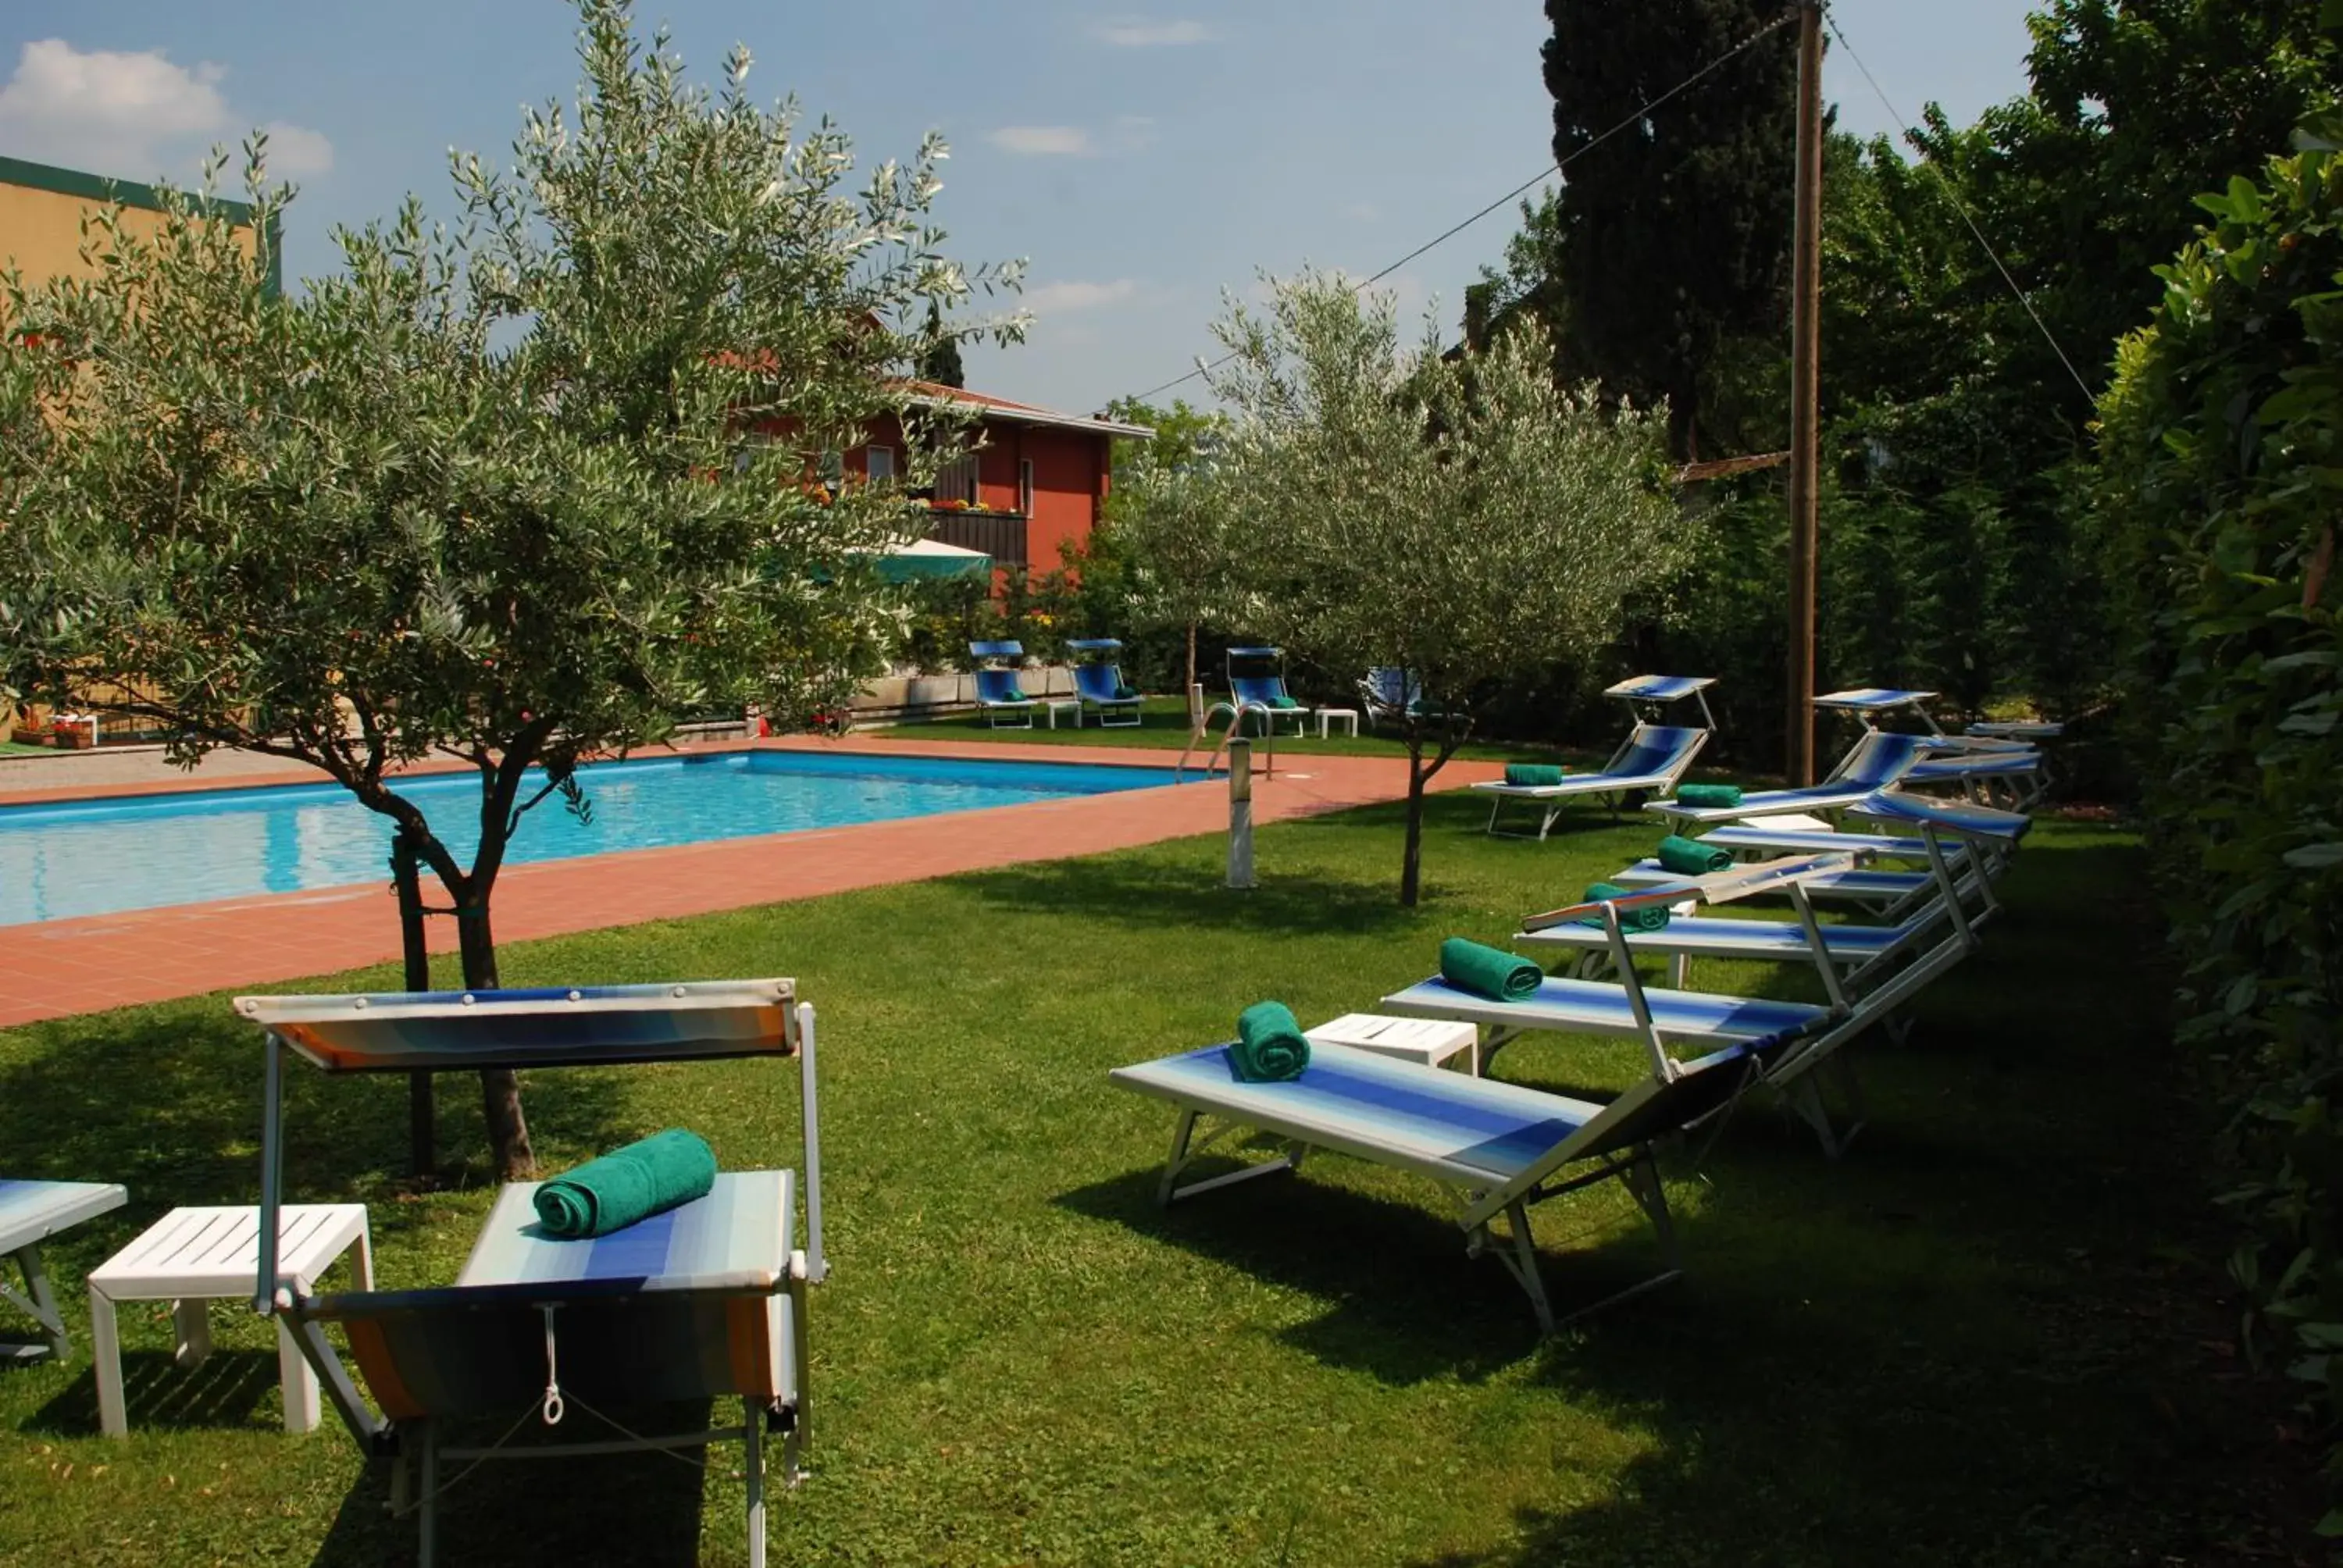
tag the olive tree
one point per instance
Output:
(485, 493)
(1459, 517)
(1179, 531)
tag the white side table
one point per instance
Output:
(1348, 716)
(1057, 705)
(1430, 1040)
(192, 1256)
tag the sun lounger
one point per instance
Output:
(1812, 1035)
(1652, 759)
(1879, 895)
(1262, 689)
(703, 1302)
(1855, 953)
(1882, 893)
(1564, 1005)
(30, 1213)
(999, 697)
(1878, 760)
(1976, 773)
(1503, 1146)
(1099, 683)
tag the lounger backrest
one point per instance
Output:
(480, 1351)
(1655, 749)
(997, 686)
(1266, 689)
(1880, 758)
(1655, 1108)
(1896, 808)
(1390, 686)
(1099, 682)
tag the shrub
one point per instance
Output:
(2222, 459)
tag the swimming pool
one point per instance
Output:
(106, 856)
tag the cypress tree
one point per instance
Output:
(1674, 238)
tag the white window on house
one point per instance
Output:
(1025, 485)
(956, 480)
(878, 463)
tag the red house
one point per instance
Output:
(1035, 487)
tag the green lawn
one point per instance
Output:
(1965, 1344)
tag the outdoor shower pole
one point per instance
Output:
(1240, 810)
(408, 884)
(1805, 411)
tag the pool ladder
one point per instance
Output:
(1235, 712)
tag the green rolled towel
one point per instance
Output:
(1708, 796)
(1488, 971)
(662, 1172)
(1282, 702)
(1269, 1047)
(1532, 773)
(1690, 857)
(1645, 917)
(1124, 694)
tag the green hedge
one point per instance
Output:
(2222, 462)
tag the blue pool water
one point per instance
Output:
(100, 856)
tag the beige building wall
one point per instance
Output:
(42, 208)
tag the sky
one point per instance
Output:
(1142, 162)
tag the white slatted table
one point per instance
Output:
(194, 1256)
(1428, 1041)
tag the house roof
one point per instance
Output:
(1015, 413)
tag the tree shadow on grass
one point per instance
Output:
(1403, 1302)
(630, 1508)
(1122, 890)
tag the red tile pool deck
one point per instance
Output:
(58, 968)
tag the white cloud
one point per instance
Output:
(132, 116)
(296, 152)
(1075, 294)
(1046, 141)
(1134, 33)
(1365, 211)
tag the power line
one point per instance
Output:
(1961, 208)
(1637, 118)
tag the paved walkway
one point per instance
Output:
(58, 968)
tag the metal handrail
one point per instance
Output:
(1236, 712)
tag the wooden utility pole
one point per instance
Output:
(1805, 393)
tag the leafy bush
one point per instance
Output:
(2222, 462)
